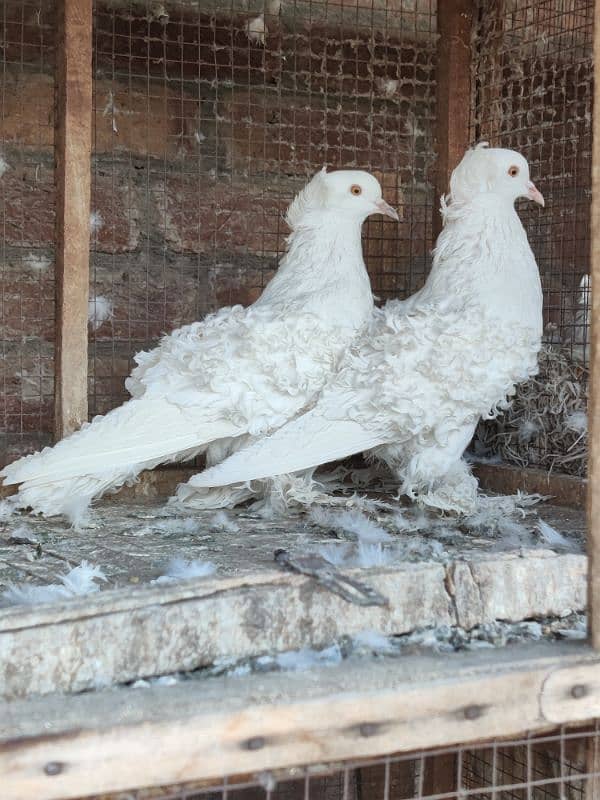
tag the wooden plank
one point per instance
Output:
(65, 747)
(594, 400)
(565, 490)
(592, 765)
(73, 168)
(119, 635)
(440, 773)
(455, 22)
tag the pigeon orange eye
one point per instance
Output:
(513, 172)
(356, 189)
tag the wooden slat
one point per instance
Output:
(73, 166)
(594, 400)
(455, 21)
(440, 775)
(64, 747)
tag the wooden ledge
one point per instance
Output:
(120, 635)
(65, 747)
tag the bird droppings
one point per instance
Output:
(4, 165)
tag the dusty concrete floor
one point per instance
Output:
(133, 542)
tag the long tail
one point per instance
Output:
(306, 442)
(109, 452)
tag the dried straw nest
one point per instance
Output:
(546, 424)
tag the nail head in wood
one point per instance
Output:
(578, 691)
(369, 729)
(256, 743)
(54, 768)
(473, 712)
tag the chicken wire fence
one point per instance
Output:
(563, 764)
(208, 117)
(532, 84)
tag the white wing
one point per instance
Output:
(308, 441)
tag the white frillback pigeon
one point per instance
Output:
(239, 372)
(412, 388)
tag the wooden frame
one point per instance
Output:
(593, 536)
(67, 746)
(73, 178)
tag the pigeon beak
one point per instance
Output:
(385, 208)
(535, 194)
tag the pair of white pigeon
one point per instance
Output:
(313, 372)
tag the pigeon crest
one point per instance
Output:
(311, 198)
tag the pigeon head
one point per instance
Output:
(350, 194)
(494, 171)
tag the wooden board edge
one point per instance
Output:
(288, 729)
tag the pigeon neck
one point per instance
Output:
(483, 258)
(323, 268)
(328, 248)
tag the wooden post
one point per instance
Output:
(73, 168)
(593, 538)
(440, 774)
(455, 22)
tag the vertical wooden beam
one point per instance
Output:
(439, 775)
(593, 537)
(455, 23)
(73, 168)
(592, 767)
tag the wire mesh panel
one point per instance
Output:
(27, 224)
(562, 765)
(209, 117)
(532, 89)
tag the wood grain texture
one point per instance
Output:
(594, 400)
(455, 22)
(73, 170)
(120, 635)
(64, 747)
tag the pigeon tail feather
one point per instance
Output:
(109, 452)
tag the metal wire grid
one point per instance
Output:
(209, 118)
(563, 764)
(26, 224)
(532, 81)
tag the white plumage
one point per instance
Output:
(239, 372)
(413, 387)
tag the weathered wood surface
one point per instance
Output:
(64, 747)
(594, 400)
(248, 608)
(565, 490)
(73, 177)
(453, 94)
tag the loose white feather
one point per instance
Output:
(78, 581)
(179, 569)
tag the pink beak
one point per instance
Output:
(535, 195)
(385, 208)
